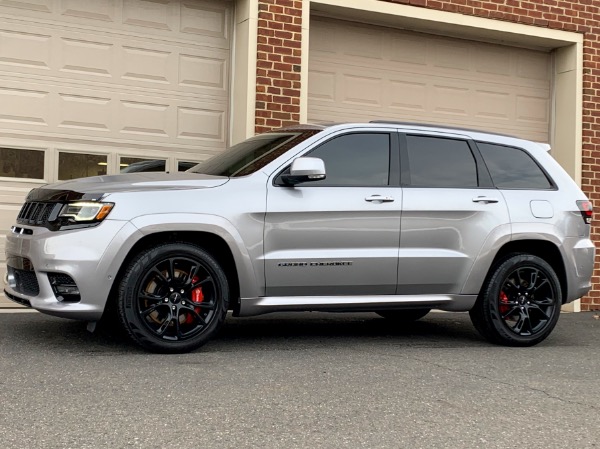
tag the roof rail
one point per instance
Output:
(433, 125)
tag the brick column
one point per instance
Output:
(278, 64)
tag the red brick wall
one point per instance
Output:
(278, 64)
(279, 52)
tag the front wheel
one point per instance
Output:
(173, 298)
(519, 304)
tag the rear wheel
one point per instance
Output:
(404, 316)
(173, 298)
(519, 304)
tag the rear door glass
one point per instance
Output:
(440, 162)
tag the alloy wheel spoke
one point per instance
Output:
(524, 323)
(537, 287)
(510, 312)
(150, 297)
(171, 269)
(150, 309)
(165, 324)
(195, 315)
(202, 282)
(543, 302)
(178, 333)
(508, 301)
(519, 277)
(510, 287)
(193, 272)
(208, 305)
(539, 309)
(533, 278)
(159, 276)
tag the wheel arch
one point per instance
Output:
(213, 243)
(543, 249)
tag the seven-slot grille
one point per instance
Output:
(37, 213)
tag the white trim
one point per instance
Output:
(305, 48)
(242, 117)
(443, 22)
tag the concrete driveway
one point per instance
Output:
(306, 380)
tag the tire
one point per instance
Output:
(519, 304)
(172, 298)
(403, 316)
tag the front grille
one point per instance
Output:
(36, 213)
(23, 281)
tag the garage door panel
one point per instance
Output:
(25, 48)
(44, 6)
(65, 109)
(186, 22)
(432, 79)
(78, 57)
(407, 95)
(323, 85)
(104, 10)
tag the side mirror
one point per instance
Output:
(304, 169)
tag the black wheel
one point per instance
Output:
(519, 304)
(403, 316)
(173, 298)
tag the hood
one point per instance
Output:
(94, 186)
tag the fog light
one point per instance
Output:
(67, 289)
(64, 287)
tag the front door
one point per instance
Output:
(340, 235)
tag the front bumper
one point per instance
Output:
(90, 256)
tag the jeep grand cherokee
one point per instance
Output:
(397, 219)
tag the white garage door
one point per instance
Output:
(362, 72)
(88, 87)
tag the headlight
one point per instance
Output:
(85, 212)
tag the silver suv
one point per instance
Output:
(392, 218)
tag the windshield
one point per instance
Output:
(251, 155)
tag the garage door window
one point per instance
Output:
(439, 162)
(136, 164)
(77, 165)
(18, 163)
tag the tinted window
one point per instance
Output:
(251, 155)
(136, 164)
(512, 168)
(79, 165)
(17, 163)
(355, 160)
(437, 162)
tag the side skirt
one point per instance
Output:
(267, 304)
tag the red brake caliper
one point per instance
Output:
(197, 297)
(503, 303)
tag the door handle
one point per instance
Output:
(379, 199)
(485, 199)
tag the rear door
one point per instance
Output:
(338, 236)
(449, 210)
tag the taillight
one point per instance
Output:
(586, 209)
